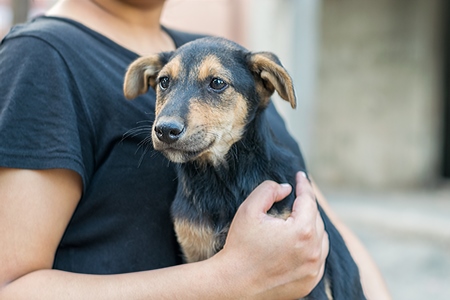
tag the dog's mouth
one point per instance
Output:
(182, 153)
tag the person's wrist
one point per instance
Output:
(234, 281)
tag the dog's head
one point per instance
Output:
(207, 92)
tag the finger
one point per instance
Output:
(320, 225)
(265, 195)
(305, 203)
(325, 242)
(323, 256)
(303, 184)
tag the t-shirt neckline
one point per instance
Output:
(104, 38)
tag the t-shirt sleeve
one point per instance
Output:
(40, 118)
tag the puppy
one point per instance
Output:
(213, 118)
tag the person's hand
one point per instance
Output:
(277, 259)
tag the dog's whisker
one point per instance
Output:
(145, 141)
(146, 121)
(147, 150)
(144, 129)
(141, 159)
(145, 144)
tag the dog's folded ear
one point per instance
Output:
(273, 75)
(142, 73)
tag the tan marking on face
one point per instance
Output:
(223, 123)
(198, 242)
(211, 67)
(172, 70)
(158, 106)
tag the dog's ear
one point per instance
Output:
(274, 76)
(142, 73)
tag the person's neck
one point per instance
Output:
(133, 26)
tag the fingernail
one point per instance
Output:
(285, 184)
(303, 174)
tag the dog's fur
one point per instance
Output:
(210, 119)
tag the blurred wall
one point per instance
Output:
(226, 18)
(290, 29)
(379, 108)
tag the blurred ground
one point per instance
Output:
(408, 234)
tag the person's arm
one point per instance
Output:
(372, 281)
(264, 257)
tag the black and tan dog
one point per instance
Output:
(211, 120)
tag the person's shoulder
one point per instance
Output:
(182, 37)
(41, 41)
(43, 36)
(41, 27)
(52, 38)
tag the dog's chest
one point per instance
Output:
(202, 212)
(200, 232)
(199, 241)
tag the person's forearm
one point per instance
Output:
(372, 281)
(264, 257)
(204, 280)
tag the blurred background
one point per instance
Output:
(373, 116)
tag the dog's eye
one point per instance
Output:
(164, 82)
(218, 84)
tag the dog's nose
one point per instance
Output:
(169, 131)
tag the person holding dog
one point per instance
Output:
(79, 220)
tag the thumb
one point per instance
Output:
(265, 195)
